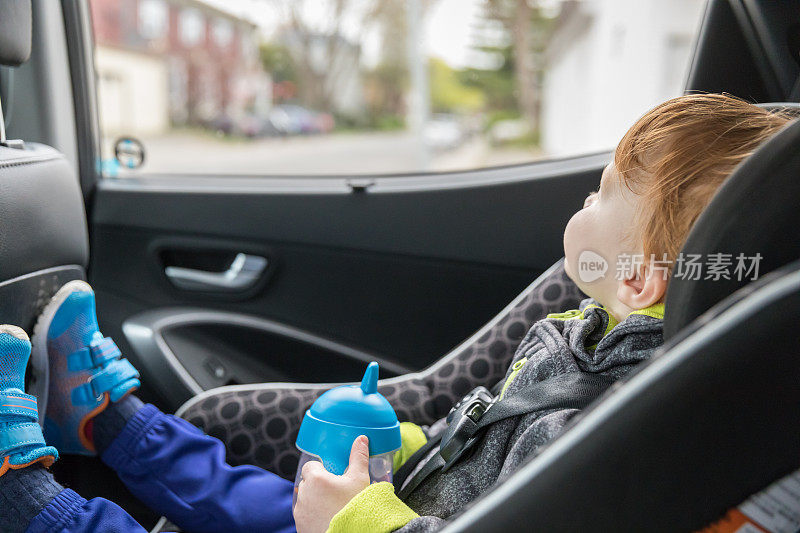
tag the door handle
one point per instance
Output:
(244, 272)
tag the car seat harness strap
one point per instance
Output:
(480, 409)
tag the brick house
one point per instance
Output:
(163, 63)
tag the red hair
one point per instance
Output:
(678, 154)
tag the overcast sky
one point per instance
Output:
(448, 27)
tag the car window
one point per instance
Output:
(321, 87)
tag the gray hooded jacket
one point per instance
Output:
(586, 340)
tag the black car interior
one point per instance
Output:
(403, 271)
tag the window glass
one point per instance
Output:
(153, 19)
(223, 32)
(316, 87)
(191, 26)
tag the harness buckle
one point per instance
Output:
(462, 424)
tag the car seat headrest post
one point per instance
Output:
(16, 24)
(13, 143)
(2, 124)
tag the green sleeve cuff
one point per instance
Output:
(412, 438)
(375, 509)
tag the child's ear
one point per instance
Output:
(645, 288)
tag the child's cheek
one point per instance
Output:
(576, 237)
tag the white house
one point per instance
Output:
(608, 62)
(132, 92)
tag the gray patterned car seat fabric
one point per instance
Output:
(259, 423)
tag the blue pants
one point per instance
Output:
(179, 472)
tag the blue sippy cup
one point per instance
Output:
(338, 417)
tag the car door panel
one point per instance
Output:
(400, 272)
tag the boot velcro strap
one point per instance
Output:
(115, 373)
(97, 354)
(19, 435)
(19, 404)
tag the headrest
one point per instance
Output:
(15, 32)
(787, 108)
(754, 214)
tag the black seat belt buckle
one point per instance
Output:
(462, 424)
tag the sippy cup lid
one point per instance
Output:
(343, 413)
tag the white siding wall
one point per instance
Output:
(132, 93)
(612, 62)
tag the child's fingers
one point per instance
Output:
(312, 469)
(359, 458)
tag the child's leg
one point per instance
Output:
(179, 472)
(32, 502)
(24, 493)
(166, 462)
(29, 497)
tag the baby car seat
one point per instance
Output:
(259, 423)
(707, 422)
(712, 418)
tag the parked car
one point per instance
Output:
(290, 119)
(444, 132)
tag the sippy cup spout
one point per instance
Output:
(369, 383)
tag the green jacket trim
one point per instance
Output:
(376, 509)
(412, 438)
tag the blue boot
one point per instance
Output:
(21, 440)
(86, 370)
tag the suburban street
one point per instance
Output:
(342, 153)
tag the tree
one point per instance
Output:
(385, 88)
(387, 83)
(448, 93)
(528, 29)
(323, 39)
(321, 51)
(278, 62)
(496, 83)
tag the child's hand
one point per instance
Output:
(321, 494)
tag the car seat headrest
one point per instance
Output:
(754, 213)
(15, 32)
(787, 108)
